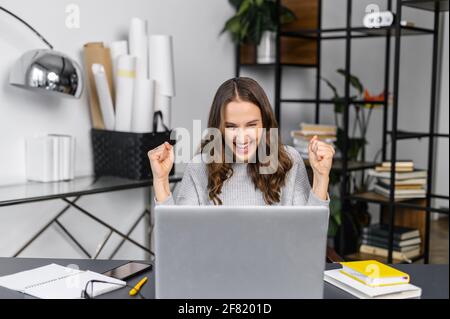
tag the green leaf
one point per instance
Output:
(259, 3)
(236, 3)
(244, 7)
(354, 81)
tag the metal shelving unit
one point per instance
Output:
(393, 33)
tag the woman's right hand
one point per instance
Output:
(161, 161)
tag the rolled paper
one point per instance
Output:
(97, 53)
(126, 74)
(104, 95)
(139, 46)
(143, 106)
(161, 64)
(117, 49)
(164, 104)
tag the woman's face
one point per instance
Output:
(243, 129)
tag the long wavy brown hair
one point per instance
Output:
(248, 90)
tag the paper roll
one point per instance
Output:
(126, 74)
(143, 106)
(161, 64)
(104, 95)
(117, 49)
(97, 53)
(164, 104)
(139, 46)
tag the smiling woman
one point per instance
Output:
(242, 113)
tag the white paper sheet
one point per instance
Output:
(143, 106)
(126, 74)
(104, 96)
(139, 46)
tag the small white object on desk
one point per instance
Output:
(58, 282)
(362, 291)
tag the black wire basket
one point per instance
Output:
(124, 154)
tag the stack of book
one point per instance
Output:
(406, 244)
(372, 279)
(409, 182)
(302, 137)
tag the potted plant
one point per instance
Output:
(255, 22)
(358, 215)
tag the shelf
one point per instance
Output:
(266, 65)
(372, 197)
(327, 101)
(87, 185)
(356, 32)
(404, 135)
(376, 198)
(428, 5)
(363, 256)
(351, 165)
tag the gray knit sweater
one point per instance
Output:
(239, 188)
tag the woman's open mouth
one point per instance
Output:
(242, 148)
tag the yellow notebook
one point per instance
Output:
(374, 273)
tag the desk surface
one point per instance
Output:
(433, 279)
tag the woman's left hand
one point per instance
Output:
(320, 157)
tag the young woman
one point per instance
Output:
(240, 111)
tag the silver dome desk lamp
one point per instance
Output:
(46, 70)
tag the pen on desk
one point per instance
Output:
(138, 286)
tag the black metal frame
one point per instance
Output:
(348, 34)
(112, 230)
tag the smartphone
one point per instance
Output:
(128, 270)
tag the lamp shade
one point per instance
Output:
(48, 71)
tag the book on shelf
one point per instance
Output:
(399, 163)
(383, 252)
(400, 233)
(318, 129)
(399, 176)
(384, 242)
(400, 194)
(397, 169)
(401, 187)
(407, 182)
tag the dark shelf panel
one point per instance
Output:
(266, 65)
(356, 32)
(351, 165)
(327, 101)
(403, 135)
(372, 197)
(363, 256)
(428, 5)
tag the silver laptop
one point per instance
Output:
(248, 252)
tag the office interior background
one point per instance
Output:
(203, 60)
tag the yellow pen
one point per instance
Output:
(138, 286)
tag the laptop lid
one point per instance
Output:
(240, 252)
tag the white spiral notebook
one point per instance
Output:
(57, 282)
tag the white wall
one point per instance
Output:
(203, 60)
